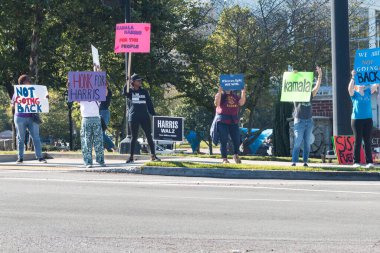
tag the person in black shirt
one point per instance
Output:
(140, 106)
(106, 115)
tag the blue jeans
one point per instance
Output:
(302, 131)
(106, 115)
(34, 130)
(232, 130)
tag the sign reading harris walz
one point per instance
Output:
(367, 66)
(168, 128)
(87, 86)
(232, 82)
(297, 86)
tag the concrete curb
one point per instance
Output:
(109, 156)
(13, 158)
(28, 157)
(246, 174)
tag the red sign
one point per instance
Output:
(344, 149)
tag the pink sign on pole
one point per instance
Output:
(132, 38)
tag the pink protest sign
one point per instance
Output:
(132, 38)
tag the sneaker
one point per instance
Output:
(88, 166)
(154, 158)
(130, 160)
(109, 150)
(293, 164)
(356, 165)
(370, 166)
(19, 161)
(305, 165)
(237, 159)
(41, 160)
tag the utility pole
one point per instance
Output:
(340, 67)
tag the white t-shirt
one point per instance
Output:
(89, 109)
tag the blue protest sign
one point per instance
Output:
(367, 65)
(232, 82)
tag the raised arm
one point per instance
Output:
(319, 81)
(125, 93)
(243, 98)
(351, 85)
(218, 97)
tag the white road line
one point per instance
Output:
(112, 181)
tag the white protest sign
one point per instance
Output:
(95, 57)
(31, 99)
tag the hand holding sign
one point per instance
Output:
(232, 81)
(374, 88)
(367, 66)
(31, 99)
(87, 86)
(132, 38)
(297, 86)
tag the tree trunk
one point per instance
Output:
(33, 61)
(281, 142)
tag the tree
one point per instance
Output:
(197, 118)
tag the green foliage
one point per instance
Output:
(196, 165)
(197, 118)
(5, 111)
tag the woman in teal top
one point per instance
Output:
(361, 118)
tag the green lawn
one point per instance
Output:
(253, 167)
(253, 158)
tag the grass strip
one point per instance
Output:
(195, 165)
(251, 158)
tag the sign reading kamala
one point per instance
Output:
(168, 128)
(31, 98)
(87, 86)
(297, 86)
(232, 82)
(367, 66)
(132, 38)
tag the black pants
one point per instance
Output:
(362, 131)
(146, 126)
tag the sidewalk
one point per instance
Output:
(117, 165)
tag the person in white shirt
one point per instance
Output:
(91, 133)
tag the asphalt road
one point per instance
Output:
(57, 211)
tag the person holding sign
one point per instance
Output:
(303, 124)
(106, 115)
(24, 121)
(140, 106)
(91, 133)
(361, 118)
(227, 121)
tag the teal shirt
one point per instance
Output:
(361, 105)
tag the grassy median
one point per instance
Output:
(252, 158)
(255, 167)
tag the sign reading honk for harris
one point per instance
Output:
(297, 86)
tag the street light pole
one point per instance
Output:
(340, 67)
(125, 143)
